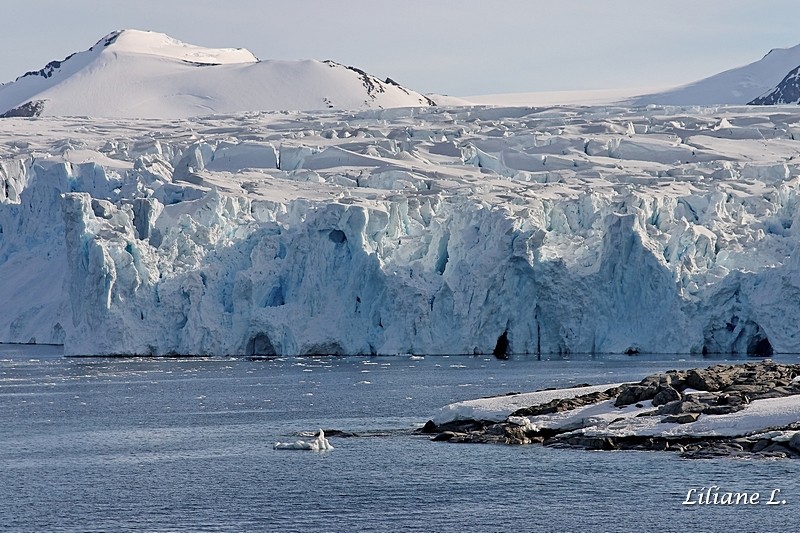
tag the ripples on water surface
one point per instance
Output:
(186, 445)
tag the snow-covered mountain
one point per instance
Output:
(464, 230)
(737, 86)
(138, 74)
(787, 91)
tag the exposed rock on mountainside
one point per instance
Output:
(787, 91)
(737, 86)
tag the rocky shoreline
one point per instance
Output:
(725, 403)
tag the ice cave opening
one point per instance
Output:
(337, 236)
(501, 348)
(260, 345)
(737, 336)
(759, 347)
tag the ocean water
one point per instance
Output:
(186, 445)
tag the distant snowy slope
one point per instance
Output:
(558, 98)
(137, 74)
(736, 86)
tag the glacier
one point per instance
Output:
(472, 230)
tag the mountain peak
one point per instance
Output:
(780, 51)
(138, 74)
(736, 86)
(159, 44)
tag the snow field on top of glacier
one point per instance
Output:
(438, 230)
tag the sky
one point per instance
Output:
(455, 47)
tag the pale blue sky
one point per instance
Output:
(457, 47)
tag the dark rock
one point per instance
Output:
(567, 404)
(671, 408)
(664, 395)
(653, 380)
(515, 435)
(429, 427)
(774, 393)
(703, 404)
(794, 442)
(630, 394)
(721, 409)
(592, 443)
(685, 418)
(27, 110)
(696, 380)
(339, 433)
(786, 92)
(760, 444)
(775, 448)
(744, 443)
(711, 379)
(459, 426)
(744, 388)
(681, 406)
(732, 445)
(712, 449)
(776, 454)
(447, 435)
(496, 429)
(732, 399)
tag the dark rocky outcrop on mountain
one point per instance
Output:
(787, 91)
(27, 110)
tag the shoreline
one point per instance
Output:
(745, 409)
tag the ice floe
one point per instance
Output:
(319, 444)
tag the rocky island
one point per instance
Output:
(723, 410)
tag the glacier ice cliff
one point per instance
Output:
(461, 230)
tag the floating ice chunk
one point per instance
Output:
(319, 444)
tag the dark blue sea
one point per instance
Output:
(96, 444)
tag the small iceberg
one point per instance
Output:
(319, 444)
